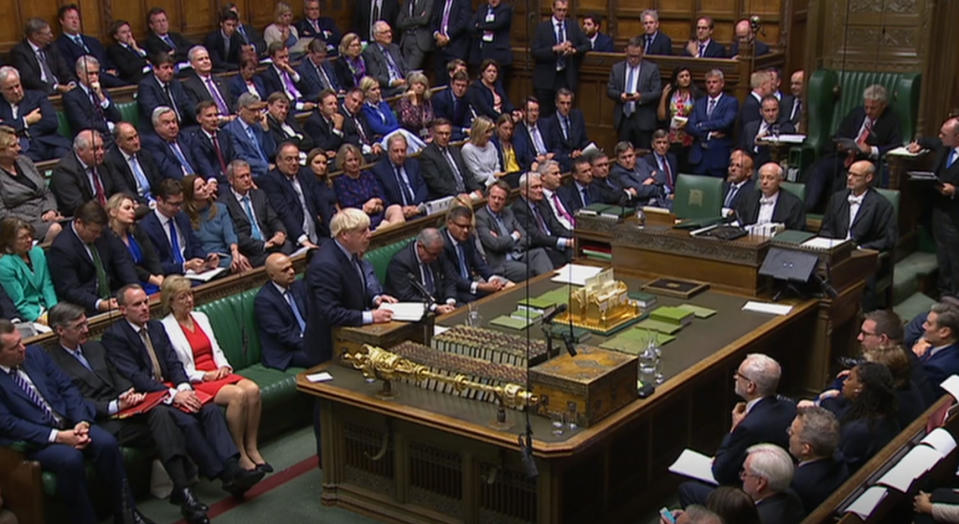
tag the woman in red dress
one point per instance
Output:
(210, 373)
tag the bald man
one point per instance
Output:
(281, 315)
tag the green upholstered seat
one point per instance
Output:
(380, 257)
(129, 112)
(796, 188)
(63, 125)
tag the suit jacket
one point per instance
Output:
(940, 366)
(499, 27)
(747, 140)
(29, 289)
(438, 175)
(782, 508)
(476, 266)
(481, 98)
(25, 60)
(874, 226)
(203, 153)
(385, 173)
(636, 178)
(713, 50)
(766, 422)
(860, 439)
(404, 263)
(786, 105)
(944, 206)
(154, 44)
(759, 48)
(545, 60)
(611, 191)
(457, 28)
(651, 160)
(444, 106)
(129, 355)
(661, 45)
(184, 352)
(789, 209)
(497, 246)
(304, 142)
(572, 198)
(198, 91)
(123, 179)
(649, 87)
(738, 197)
(286, 203)
(363, 13)
(273, 83)
(237, 86)
(266, 218)
(749, 111)
(352, 125)
(602, 44)
(150, 96)
(44, 131)
(21, 418)
(311, 80)
(164, 158)
(712, 152)
(322, 132)
(537, 236)
(71, 185)
(82, 114)
(815, 481)
(252, 36)
(523, 140)
(564, 146)
(18, 200)
(128, 62)
(191, 245)
(416, 26)
(224, 53)
(70, 51)
(886, 131)
(247, 150)
(75, 276)
(328, 31)
(279, 332)
(377, 66)
(100, 385)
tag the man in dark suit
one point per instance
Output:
(39, 405)
(453, 105)
(295, 197)
(134, 172)
(170, 148)
(316, 73)
(644, 184)
(356, 130)
(142, 353)
(580, 193)
(210, 149)
(384, 61)
(491, 36)
(545, 231)
(464, 265)
(739, 178)
(509, 247)
(283, 124)
(40, 64)
(89, 106)
(326, 123)
(130, 59)
(661, 160)
(96, 377)
(72, 45)
(746, 39)
(225, 45)
(281, 313)
(760, 83)
(443, 168)
(252, 37)
(873, 129)
(162, 40)
(655, 42)
(704, 46)
(32, 116)
(711, 125)
(249, 135)
(945, 210)
(416, 36)
(532, 135)
(259, 230)
(420, 260)
(771, 124)
(280, 76)
(794, 111)
(172, 235)
(634, 85)
(451, 33)
(568, 130)
(610, 191)
(938, 350)
(92, 263)
(768, 204)
(813, 438)
(555, 198)
(201, 84)
(598, 41)
(159, 88)
(558, 47)
(871, 223)
(766, 475)
(318, 27)
(400, 178)
(81, 175)
(368, 12)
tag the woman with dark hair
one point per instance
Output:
(24, 273)
(211, 221)
(247, 81)
(866, 410)
(121, 208)
(486, 93)
(316, 160)
(675, 106)
(361, 189)
(909, 400)
(733, 505)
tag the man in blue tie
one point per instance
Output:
(420, 261)
(465, 267)
(259, 230)
(170, 151)
(172, 236)
(250, 136)
(281, 314)
(400, 177)
(162, 40)
(73, 45)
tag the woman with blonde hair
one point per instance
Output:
(281, 30)
(361, 189)
(380, 117)
(23, 190)
(195, 344)
(121, 208)
(414, 107)
(351, 66)
(480, 154)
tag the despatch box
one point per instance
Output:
(350, 339)
(587, 387)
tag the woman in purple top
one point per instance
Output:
(361, 189)
(415, 108)
(351, 67)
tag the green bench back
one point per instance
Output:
(234, 324)
(381, 256)
(796, 188)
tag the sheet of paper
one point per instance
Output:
(940, 440)
(902, 151)
(789, 138)
(919, 460)
(951, 385)
(406, 311)
(206, 275)
(867, 502)
(322, 376)
(767, 307)
(694, 464)
(439, 330)
(822, 243)
(922, 175)
(575, 274)
(590, 149)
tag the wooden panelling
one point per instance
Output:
(11, 28)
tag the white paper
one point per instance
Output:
(204, 276)
(822, 243)
(767, 307)
(322, 376)
(902, 151)
(940, 440)
(788, 138)
(439, 330)
(300, 251)
(590, 149)
(867, 502)
(919, 460)
(694, 464)
(406, 311)
(575, 274)
(951, 385)
(922, 175)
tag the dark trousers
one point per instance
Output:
(629, 130)
(206, 438)
(693, 492)
(156, 429)
(39, 151)
(946, 235)
(821, 181)
(547, 95)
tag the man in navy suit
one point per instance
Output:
(611, 192)
(134, 172)
(580, 193)
(655, 42)
(73, 45)
(159, 88)
(739, 178)
(252, 38)
(937, 349)
(771, 124)
(766, 475)
(746, 38)
(644, 184)
(451, 33)
(384, 61)
(316, 73)
(400, 177)
(558, 47)
(249, 134)
(170, 148)
(421, 259)
(491, 36)
(32, 116)
(661, 160)
(443, 170)
(39, 405)
(225, 45)
(532, 135)
(544, 229)
(92, 263)
(769, 204)
(465, 266)
(704, 46)
(81, 175)
(635, 88)
(39, 62)
(711, 124)
(318, 27)
(162, 40)
(453, 105)
(259, 230)
(598, 41)
(568, 130)
(128, 57)
(172, 235)
(326, 123)
(141, 351)
(201, 84)
(295, 197)
(760, 83)
(280, 76)
(89, 106)
(813, 438)
(560, 199)
(212, 150)
(337, 291)
(281, 314)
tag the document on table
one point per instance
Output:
(784, 138)
(439, 330)
(767, 307)
(822, 243)
(322, 376)
(575, 274)
(406, 311)
(204, 276)
(903, 151)
(694, 464)
(940, 440)
(919, 460)
(867, 502)
(951, 385)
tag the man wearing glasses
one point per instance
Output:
(463, 265)
(421, 259)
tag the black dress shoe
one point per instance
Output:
(186, 498)
(138, 518)
(242, 481)
(265, 467)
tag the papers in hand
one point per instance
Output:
(204, 276)
(783, 138)
(575, 274)
(904, 151)
(694, 464)
(767, 307)
(406, 311)
(867, 502)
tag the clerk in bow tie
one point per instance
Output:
(769, 204)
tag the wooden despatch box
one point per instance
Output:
(597, 381)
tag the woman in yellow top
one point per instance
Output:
(503, 139)
(24, 273)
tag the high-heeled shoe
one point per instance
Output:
(264, 467)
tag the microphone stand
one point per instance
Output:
(428, 302)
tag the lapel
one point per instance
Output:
(842, 215)
(17, 390)
(39, 379)
(866, 208)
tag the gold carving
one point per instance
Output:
(602, 304)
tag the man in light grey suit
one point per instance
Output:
(635, 87)
(508, 248)
(384, 62)
(30, 199)
(416, 39)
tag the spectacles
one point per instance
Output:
(865, 333)
(737, 374)
(743, 474)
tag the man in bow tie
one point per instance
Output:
(770, 205)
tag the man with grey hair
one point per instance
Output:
(201, 84)
(768, 204)
(136, 173)
(813, 438)
(89, 106)
(544, 229)
(40, 64)
(32, 116)
(384, 61)
(712, 124)
(170, 151)
(655, 42)
(866, 133)
(250, 134)
(766, 475)
(259, 230)
(420, 262)
(81, 176)
(400, 177)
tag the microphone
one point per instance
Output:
(548, 318)
(420, 288)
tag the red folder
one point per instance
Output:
(152, 400)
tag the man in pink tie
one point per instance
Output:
(204, 85)
(552, 188)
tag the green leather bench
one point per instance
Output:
(129, 112)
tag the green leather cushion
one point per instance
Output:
(381, 256)
(796, 188)
(129, 112)
(63, 125)
(234, 325)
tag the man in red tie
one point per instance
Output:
(81, 175)
(211, 149)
